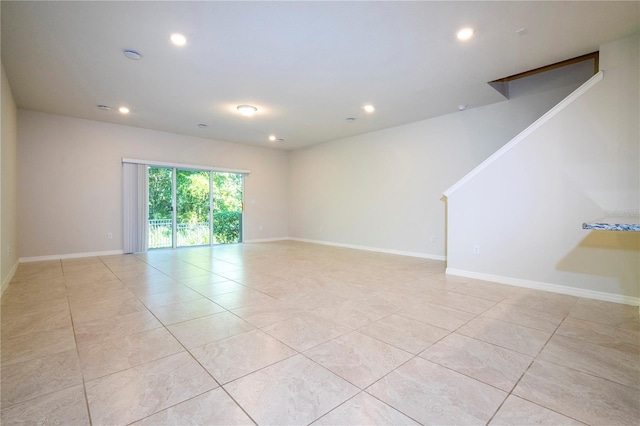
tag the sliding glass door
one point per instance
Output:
(161, 219)
(194, 208)
(193, 203)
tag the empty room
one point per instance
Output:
(317, 212)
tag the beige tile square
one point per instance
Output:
(347, 314)
(58, 319)
(106, 309)
(11, 310)
(64, 407)
(482, 361)
(437, 315)
(204, 280)
(138, 392)
(452, 397)
(517, 411)
(520, 315)
(156, 300)
(219, 288)
(358, 358)
(185, 311)
(485, 290)
(121, 353)
(100, 296)
(35, 345)
(405, 333)
(30, 379)
(211, 408)
(617, 366)
(293, 391)
(586, 398)
(363, 409)
(599, 334)
(239, 355)
(200, 331)
(264, 314)
(240, 299)
(511, 336)
(305, 331)
(110, 328)
(462, 302)
(543, 301)
(608, 313)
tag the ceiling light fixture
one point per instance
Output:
(123, 110)
(350, 119)
(178, 39)
(465, 34)
(247, 110)
(369, 108)
(104, 107)
(272, 138)
(462, 107)
(132, 54)
(202, 126)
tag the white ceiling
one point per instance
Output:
(306, 66)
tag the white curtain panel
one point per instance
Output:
(136, 208)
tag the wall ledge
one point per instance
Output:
(526, 132)
(554, 288)
(70, 256)
(374, 249)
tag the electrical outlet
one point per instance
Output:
(433, 238)
(110, 235)
(476, 249)
(321, 229)
(9, 251)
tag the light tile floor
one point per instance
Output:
(294, 333)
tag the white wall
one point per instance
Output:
(525, 210)
(70, 181)
(383, 190)
(8, 185)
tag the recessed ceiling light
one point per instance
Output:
(521, 31)
(272, 138)
(123, 110)
(202, 126)
(465, 34)
(350, 119)
(104, 107)
(369, 108)
(131, 54)
(178, 39)
(462, 107)
(247, 110)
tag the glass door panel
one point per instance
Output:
(192, 202)
(160, 207)
(227, 207)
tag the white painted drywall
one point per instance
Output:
(525, 210)
(383, 190)
(71, 180)
(8, 185)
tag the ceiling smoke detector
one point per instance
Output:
(132, 54)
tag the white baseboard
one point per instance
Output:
(266, 240)
(375, 249)
(555, 288)
(70, 256)
(7, 280)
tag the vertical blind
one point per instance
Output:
(136, 185)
